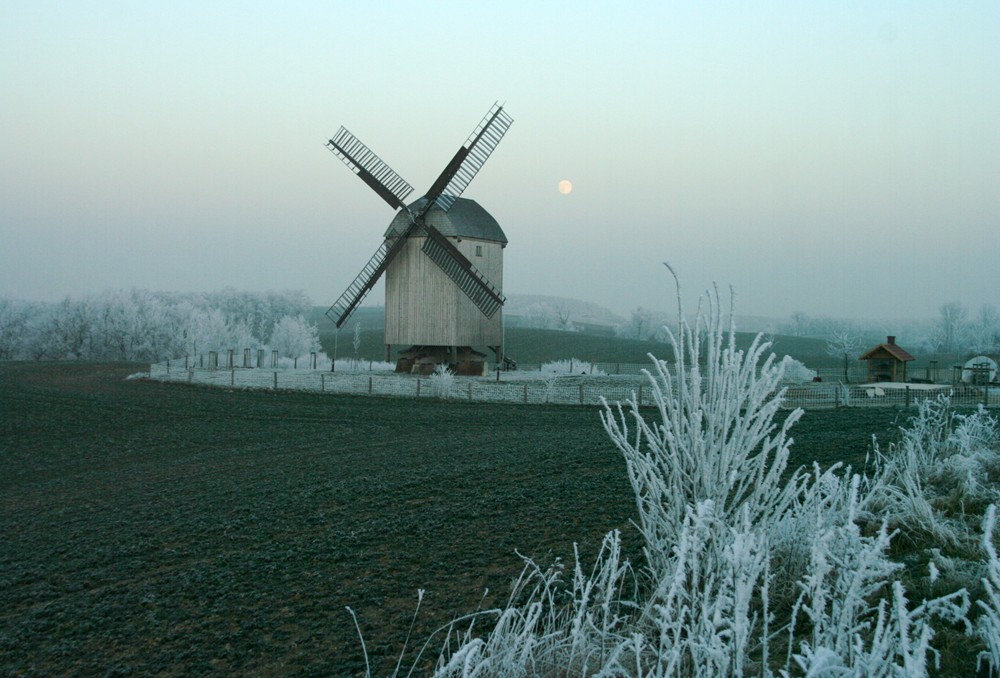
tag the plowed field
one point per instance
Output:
(164, 528)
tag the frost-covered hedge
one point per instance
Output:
(149, 326)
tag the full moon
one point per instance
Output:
(565, 186)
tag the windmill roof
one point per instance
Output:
(465, 219)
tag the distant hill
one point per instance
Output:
(544, 311)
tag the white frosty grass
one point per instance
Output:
(571, 366)
(137, 375)
(943, 458)
(745, 571)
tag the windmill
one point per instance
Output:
(437, 301)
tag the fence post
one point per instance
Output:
(369, 385)
(581, 389)
(232, 377)
(312, 360)
(470, 390)
(836, 397)
(322, 381)
(907, 396)
(418, 388)
(525, 393)
(275, 381)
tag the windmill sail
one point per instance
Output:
(462, 272)
(469, 159)
(372, 170)
(363, 283)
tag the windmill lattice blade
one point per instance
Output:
(469, 159)
(462, 272)
(373, 171)
(366, 279)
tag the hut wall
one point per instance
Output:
(423, 306)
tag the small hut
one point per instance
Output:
(887, 362)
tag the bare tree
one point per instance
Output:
(951, 333)
(843, 343)
(14, 318)
(984, 331)
(640, 325)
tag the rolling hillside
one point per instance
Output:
(534, 346)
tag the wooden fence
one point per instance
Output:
(526, 388)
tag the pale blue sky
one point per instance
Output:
(833, 158)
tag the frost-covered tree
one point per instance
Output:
(68, 330)
(640, 325)
(136, 325)
(15, 319)
(293, 337)
(844, 343)
(142, 325)
(951, 333)
(984, 330)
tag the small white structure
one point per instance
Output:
(979, 370)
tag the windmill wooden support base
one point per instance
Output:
(461, 360)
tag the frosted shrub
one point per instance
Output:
(442, 381)
(797, 373)
(723, 531)
(989, 620)
(943, 461)
(716, 439)
(845, 620)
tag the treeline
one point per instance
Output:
(139, 325)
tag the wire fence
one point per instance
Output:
(545, 388)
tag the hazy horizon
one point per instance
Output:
(834, 160)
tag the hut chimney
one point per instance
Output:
(891, 339)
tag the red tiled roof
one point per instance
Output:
(894, 350)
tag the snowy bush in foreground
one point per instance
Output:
(989, 621)
(744, 569)
(943, 461)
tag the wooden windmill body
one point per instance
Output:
(442, 257)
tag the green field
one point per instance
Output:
(153, 527)
(530, 346)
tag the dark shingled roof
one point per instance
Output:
(465, 219)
